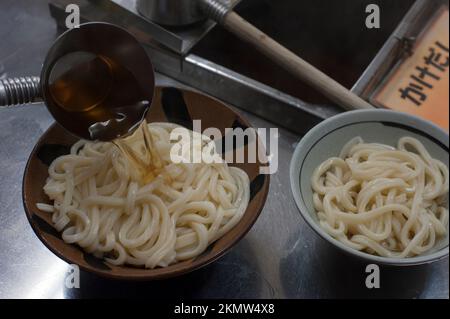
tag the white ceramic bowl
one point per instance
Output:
(382, 126)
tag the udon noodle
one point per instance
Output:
(383, 200)
(171, 217)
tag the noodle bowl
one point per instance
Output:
(383, 200)
(172, 216)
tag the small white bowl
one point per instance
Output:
(382, 126)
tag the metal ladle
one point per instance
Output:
(108, 69)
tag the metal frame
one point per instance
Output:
(397, 47)
(124, 13)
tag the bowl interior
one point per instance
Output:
(170, 105)
(327, 140)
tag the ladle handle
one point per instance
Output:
(219, 11)
(18, 91)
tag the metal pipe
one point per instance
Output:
(22, 90)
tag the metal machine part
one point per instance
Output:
(22, 90)
(183, 12)
(179, 40)
(173, 12)
(211, 61)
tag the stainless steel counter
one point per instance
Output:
(280, 257)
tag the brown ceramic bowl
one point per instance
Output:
(169, 105)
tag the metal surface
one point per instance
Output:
(280, 257)
(124, 13)
(171, 12)
(215, 9)
(175, 13)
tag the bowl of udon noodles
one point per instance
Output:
(85, 203)
(374, 184)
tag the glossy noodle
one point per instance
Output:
(172, 216)
(391, 202)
